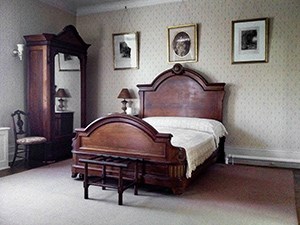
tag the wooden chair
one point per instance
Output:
(22, 138)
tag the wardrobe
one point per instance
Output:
(42, 51)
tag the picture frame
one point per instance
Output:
(67, 62)
(126, 51)
(250, 41)
(183, 43)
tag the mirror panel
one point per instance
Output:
(67, 76)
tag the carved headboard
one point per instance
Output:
(180, 91)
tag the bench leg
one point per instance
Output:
(120, 198)
(85, 182)
(136, 178)
(120, 187)
(103, 176)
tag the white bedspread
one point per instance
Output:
(199, 137)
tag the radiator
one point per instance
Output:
(261, 161)
(4, 147)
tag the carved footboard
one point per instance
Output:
(123, 135)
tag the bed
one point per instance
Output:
(177, 134)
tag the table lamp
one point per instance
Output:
(61, 93)
(124, 94)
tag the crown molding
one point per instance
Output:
(119, 5)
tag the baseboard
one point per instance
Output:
(259, 157)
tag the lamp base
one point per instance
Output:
(61, 105)
(124, 107)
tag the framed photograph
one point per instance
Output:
(68, 62)
(250, 41)
(126, 52)
(183, 43)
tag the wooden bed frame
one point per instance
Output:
(178, 91)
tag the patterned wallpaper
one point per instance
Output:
(262, 101)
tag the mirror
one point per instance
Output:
(67, 77)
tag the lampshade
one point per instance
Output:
(61, 93)
(125, 94)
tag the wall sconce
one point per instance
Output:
(125, 94)
(19, 51)
(61, 93)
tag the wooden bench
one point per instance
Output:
(112, 161)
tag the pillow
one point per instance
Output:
(203, 125)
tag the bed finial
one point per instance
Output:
(177, 68)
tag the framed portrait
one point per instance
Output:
(126, 52)
(183, 43)
(250, 41)
(68, 62)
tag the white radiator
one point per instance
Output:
(4, 147)
(261, 161)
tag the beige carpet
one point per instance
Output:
(225, 194)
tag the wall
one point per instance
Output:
(19, 18)
(262, 102)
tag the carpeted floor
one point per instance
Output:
(225, 194)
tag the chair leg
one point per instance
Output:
(27, 164)
(45, 154)
(15, 155)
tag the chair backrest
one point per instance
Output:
(20, 123)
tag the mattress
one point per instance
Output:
(199, 137)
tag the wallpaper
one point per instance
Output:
(262, 102)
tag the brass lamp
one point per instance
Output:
(125, 94)
(61, 93)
